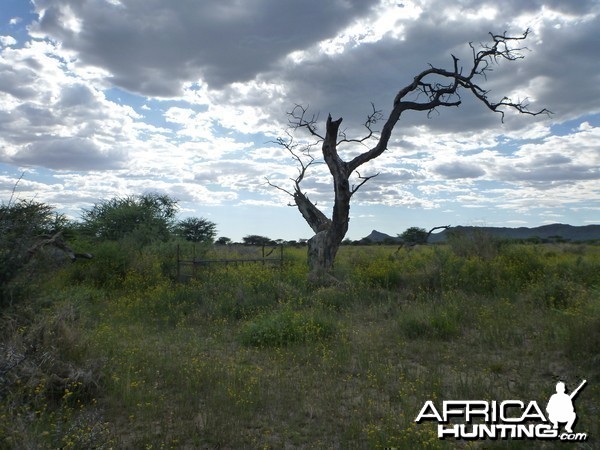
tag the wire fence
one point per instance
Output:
(188, 266)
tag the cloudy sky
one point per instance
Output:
(104, 98)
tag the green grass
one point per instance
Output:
(255, 357)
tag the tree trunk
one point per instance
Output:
(322, 249)
(320, 254)
(324, 245)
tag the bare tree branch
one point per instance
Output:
(363, 181)
(14, 189)
(372, 119)
(302, 165)
(437, 94)
(278, 187)
(442, 227)
(297, 119)
(304, 159)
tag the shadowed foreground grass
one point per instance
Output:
(254, 357)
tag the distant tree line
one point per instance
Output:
(31, 231)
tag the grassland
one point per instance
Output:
(114, 353)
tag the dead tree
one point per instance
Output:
(55, 241)
(431, 89)
(442, 227)
(425, 239)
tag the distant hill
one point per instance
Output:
(378, 237)
(554, 231)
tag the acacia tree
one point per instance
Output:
(151, 215)
(197, 229)
(414, 236)
(431, 89)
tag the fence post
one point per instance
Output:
(178, 270)
(194, 260)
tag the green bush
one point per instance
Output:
(583, 340)
(240, 292)
(381, 272)
(336, 298)
(518, 266)
(473, 242)
(555, 292)
(145, 218)
(431, 321)
(284, 327)
(122, 263)
(48, 381)
(107, 268)
(23, 225)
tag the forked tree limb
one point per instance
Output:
(447, 95)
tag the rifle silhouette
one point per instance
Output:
(574, 393)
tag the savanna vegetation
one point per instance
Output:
(115, 352)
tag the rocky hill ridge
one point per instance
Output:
(552, 231)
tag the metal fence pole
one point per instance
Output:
(178, 263)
